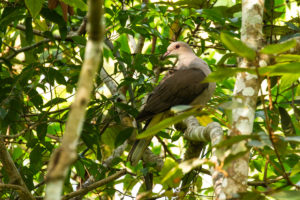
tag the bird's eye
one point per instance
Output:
(177, 46)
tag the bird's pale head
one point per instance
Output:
(178, 48)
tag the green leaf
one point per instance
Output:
(281, 69)
(287, 58)
(296, 169)
(79, 168)
(110, 134)
(287, 80)
(34, 6)
(79, 40)
(223, 73)
(41, 131)
(166, 123)
(36, 155)
(35, 97)
(170, 173)
(3, 113)
(235, 139)
(54, 101)
(123, 135)
(279, 48)
(76, 4)
(237, 46)
(286, 195)
(29, 30)
(286, 122)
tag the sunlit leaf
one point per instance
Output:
(279, 48)
(34, 6)
(287, 58)
(166, 123)
(281, 69)
(76, 4)
(224, 73)
(237, 46)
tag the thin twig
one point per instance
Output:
(95, 185)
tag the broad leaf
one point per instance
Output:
(76, 4)
(286, 122)
(166, 123)
(286, 195)
(279, 48)
(237, 46)
(281, 69)
(287, 58)
(224, 73)
(34, 6)
(123, 135)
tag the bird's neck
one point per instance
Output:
(186, 59)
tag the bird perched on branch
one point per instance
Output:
(181, 86)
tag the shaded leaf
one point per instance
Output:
(237, 46)
(3, 113)
(41, 131)
(286, 195)
(29, 30)
(123, 135)
(286, 122)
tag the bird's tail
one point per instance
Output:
(141, 145)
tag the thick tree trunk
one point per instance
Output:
(245, 94)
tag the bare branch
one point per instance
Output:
(66, 154)
(95, 185)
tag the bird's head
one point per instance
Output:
(178, 48)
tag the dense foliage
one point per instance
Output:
(42, 47)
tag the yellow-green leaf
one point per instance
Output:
(287, 58)
(76, 4)
(279, 48)
(34, 6)
(281, 69)
(151, 131)
(237, 46)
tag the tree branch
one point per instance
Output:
(95, 185)
(13, 174)
(17, 51)
(214, 133)
(66, 154)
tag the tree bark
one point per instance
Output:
(13, 173)
(245, 94)
(66, 154)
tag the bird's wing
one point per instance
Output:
(178, 88)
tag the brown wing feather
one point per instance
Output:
(180, 87)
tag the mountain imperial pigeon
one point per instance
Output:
(181, 86)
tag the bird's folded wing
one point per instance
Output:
(178, 88)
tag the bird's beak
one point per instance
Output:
(166, 54)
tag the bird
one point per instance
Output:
(181, 86)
